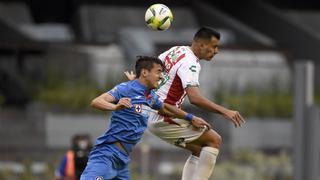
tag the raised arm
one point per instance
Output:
(105, 102)
(196, 98)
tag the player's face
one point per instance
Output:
(154, 76)
(209, 49)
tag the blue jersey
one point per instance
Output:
(128, 125)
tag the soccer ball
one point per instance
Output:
(158, 17)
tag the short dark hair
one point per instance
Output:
(146, 62)
(206, 33)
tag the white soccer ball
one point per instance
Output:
(158, 17)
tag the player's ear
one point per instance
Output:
(144, 72)
(202, 44)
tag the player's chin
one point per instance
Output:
(156, 85)
(210, 58)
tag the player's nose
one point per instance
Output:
(216, 51)
(160, 76)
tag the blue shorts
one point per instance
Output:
(105, 166)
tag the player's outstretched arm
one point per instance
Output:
(175, 112)
(105, 102)
(196, 98)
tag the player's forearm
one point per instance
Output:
(173, 111)
(103, 105)
(206, 104)
(166, 112)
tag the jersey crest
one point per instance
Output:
(174, 57)
(138, 108)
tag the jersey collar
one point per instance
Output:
(189, 48)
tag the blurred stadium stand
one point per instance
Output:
(38, 34)
(101, 24)
(18, 16)
(100, 39)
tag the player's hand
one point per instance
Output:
(235, 117)
(130, 75)
(123, 103)
(200, 123)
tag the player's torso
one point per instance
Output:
(141, 101)
(171, 88)
(128, 125)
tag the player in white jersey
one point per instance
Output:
(182, 79)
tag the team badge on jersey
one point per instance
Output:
(138, 108)
(99, 178)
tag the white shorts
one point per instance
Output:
(174, 131)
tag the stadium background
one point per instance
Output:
(56, 55)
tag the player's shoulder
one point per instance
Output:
(188, 53)
(190, 60)
(184, 48)
(124, 86)
(177, 49)
(180, 49)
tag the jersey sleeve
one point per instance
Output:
(157, 103)
(189, 74)
(118, 91)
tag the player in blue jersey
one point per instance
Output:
(131, 103)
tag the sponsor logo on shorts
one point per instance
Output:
(180, 142)
(99, 178)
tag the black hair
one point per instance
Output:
(146, 62)
(206, 33)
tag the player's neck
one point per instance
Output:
(195, 50)
(143, 82)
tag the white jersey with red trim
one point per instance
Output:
(182, 71)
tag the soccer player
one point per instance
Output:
(182, 79)
(131, 103)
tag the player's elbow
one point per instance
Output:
(94, 102)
